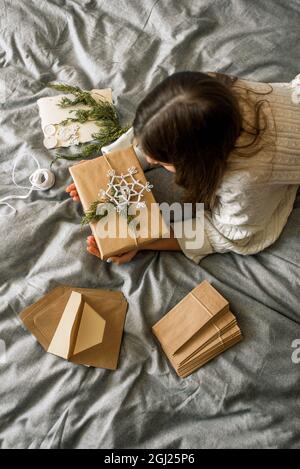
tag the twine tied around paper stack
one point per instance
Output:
(194, 332)
(209, 313)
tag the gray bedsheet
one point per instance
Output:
(248, 397)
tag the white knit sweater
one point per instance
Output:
(257, 193)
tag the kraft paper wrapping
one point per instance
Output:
(43, 320)
(197, 329)
(91, 176)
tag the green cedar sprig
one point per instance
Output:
(102, 112)
(81, 96)
(91, 214)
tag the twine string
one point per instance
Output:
(210, 314)
(41, 179)
(111, 168)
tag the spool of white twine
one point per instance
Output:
(41, 179)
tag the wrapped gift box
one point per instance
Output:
(91, 177)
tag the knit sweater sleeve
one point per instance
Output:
(243, 220)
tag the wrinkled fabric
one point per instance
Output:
(249, 396)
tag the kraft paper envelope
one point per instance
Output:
(198, 308)
(219, 343)
(216, 344)
(52, 114)
(82, 325)
(91, 176)
(212, 350)
(197, 329)
(216, 347)
(204, 337)
(229, 340)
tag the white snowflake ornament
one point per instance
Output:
(124, 190)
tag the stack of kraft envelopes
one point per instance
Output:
(197, 329)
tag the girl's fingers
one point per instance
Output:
(127, 257)
(93, 251)
(118, 259)
(91, 241)
(71, 187)
(122, 259)
(115, 260)
(72, 191)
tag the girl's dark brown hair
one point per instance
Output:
(192, 120)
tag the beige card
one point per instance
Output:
(51, 114)
(79, 329)
(91, 330)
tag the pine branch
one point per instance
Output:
(81, 96)
(108, 132)
(91, 214)
(63, 156)
(90, 150)
(102, 112)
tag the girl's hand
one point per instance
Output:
(92, 247)
(122, 259)
(71, 189)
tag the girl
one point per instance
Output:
(232, 144)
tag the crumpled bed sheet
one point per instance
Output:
(249, 396)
